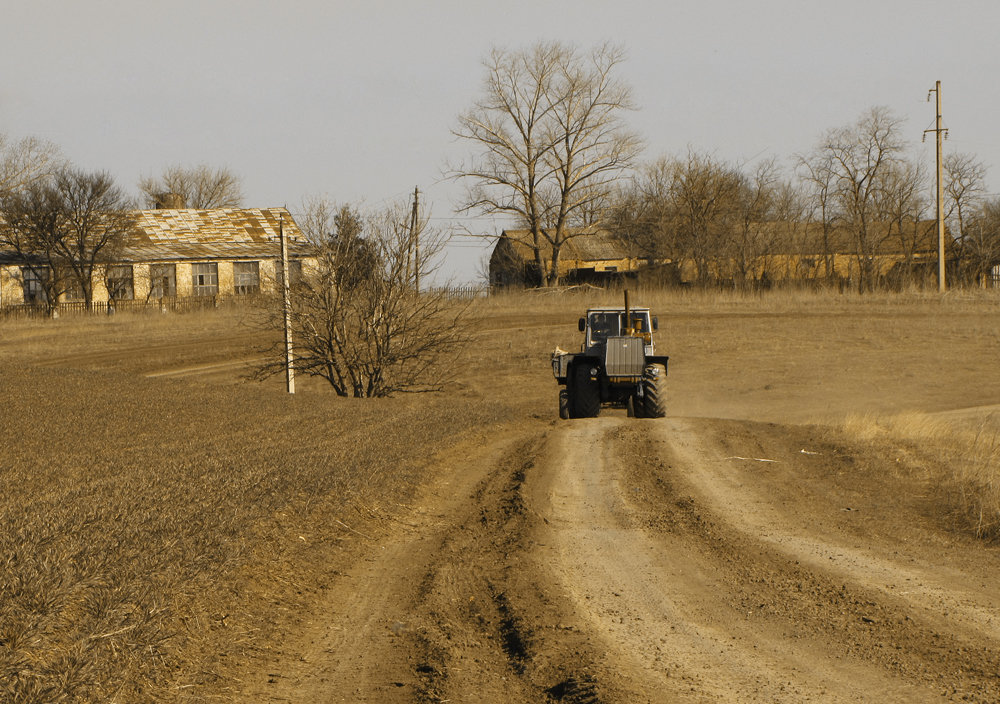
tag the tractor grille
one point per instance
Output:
(625, 356)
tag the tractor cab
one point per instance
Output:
(602, 323)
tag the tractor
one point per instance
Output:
(617, 366)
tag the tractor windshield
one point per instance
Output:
(605, 324)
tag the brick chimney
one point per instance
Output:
(168, 201)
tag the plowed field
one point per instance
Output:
(753, 546)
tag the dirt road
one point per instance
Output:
(683, 559)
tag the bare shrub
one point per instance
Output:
(359, 321)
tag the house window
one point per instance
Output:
(34, 284)
(162, 280)
(121, 286)
(246, 278)
(205, 278)
(73, 289)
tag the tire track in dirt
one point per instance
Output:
(868, 643)
(662, 607)
(607, 561)
(927, 587)
(419, 617)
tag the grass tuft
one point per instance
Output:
(967, 470)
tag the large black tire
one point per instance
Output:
(563, 404)
(635, 407)
(584, 394)
(654, 391)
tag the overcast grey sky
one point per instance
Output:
(356, 100)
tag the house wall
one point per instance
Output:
(510, 265)
(269, 275)
(185, 285)
(11, 289)
(225, 278)
(140, 281)
(100, 291)
(798, 267)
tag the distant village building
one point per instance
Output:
(180, 253)
(893, 253)
(771, 252)
(591, 255)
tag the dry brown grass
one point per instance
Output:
(150, 528)
(963, 460)
(696, 300)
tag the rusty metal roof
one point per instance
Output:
(220, 233)
(582, 244)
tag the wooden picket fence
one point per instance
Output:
(155, 305)
(170, 305)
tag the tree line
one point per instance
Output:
(551, 149)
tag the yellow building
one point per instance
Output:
(178, 253)
(769, 252)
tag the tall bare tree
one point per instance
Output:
(358, 321)
(964, 196)
(708, 212)
(32, 227)
(316, 219)
(200, 187)
(67, 227)
(981, 245)
(754, 233)
(863, 158)
(904, 205)
(643, 214)
(98, 218)
(818, 175)
(704, 194)
(551, 139)
(22, 162)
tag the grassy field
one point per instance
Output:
(158, 512)
(149, 526)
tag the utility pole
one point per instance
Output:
(940, 134)
(415, 241)
(287, 298)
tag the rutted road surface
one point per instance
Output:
(687, 560)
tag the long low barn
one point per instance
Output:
(179, 253)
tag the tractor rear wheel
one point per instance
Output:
(634, 407)
(585, 395)
(654, 391)
(563, 404)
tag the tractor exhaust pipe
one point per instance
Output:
(628, 316)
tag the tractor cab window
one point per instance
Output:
(604, 325)
(640, 321)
